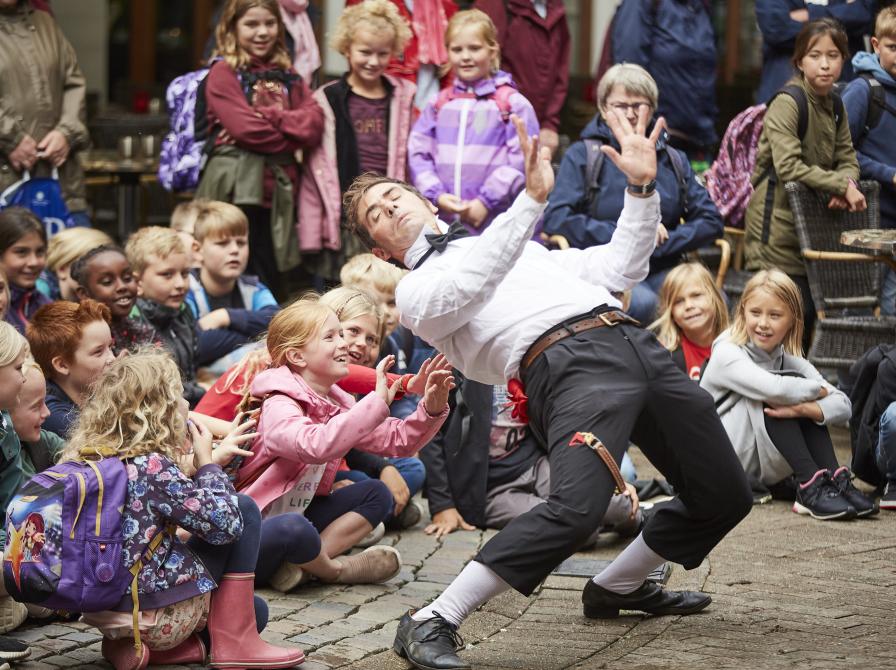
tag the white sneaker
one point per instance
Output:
(288, 577)
(12, 614)
(372, 537)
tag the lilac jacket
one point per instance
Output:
(468, 150)
(298, 427)
(320, 198)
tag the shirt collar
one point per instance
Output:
(421, 245)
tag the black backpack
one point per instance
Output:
(877, 105)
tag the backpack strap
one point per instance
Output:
(594, 161)
(501, 96)
(876, 105)
(502, 99)
(167, 531)
(802, 106)
(445, 96)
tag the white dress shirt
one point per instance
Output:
(486, 299)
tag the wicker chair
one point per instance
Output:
(845, 285)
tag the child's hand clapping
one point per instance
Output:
(241, 433)
(417, 384)
(383, 389)
(435, 398)
(201, 437)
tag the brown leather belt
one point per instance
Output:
(598, 447)
(588, 323)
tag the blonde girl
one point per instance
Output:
(776, 406)
(257, 139)
(137, 413)
(307, 424)
(463, 151)
(367, 117)
(692, 313)
(13, 351)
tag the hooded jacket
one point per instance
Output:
(779, 33)
(676, 44)
(43, 89)
(691, 225)
(741, 379)
(535, 51)
(876, 150)
(330, 167)
(299, 428)
(467, 148)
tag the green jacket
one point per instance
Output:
(41, 89)
(45, 451)
(11, 475)
(825, 160)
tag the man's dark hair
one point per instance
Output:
(351, 202)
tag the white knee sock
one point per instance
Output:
(631, 567)
(475, 585)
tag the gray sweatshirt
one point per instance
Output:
(741, 379)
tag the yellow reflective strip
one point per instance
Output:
(82, 494)
(99, 500)
(54, 475)
(136, 613)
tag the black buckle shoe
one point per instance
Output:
(599, 603)
(429, 644)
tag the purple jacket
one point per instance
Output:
(469, 150)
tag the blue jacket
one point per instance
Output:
(876, 151)
(779, 33)
(63, 410)
(569, 214)
(676, 43)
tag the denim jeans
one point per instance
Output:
(886, 444)
(645, 297)
(888, 294)
(411, 469)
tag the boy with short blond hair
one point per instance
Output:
(870, 102)
(183, 220)
(220, 295)
(161, 266)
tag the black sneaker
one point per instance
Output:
(863, 505)
(13, 650)
(888, 499)
(430, 644)
(820, 498)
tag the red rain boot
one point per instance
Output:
(236, 644)
(123, 655)
(191, 650)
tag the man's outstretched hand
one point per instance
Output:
(537, 161)
(637, 158)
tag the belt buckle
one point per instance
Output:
(603, 317)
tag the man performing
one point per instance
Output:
(502, 307)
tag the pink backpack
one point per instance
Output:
(501, 96)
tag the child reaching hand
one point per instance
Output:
(307, 424)
(463, 152)
(775, 405)
(692, 314)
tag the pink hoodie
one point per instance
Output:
(298, 427)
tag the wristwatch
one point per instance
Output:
(642, 189)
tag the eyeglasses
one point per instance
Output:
(625, 107)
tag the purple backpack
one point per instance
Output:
(64, 538)
(182, 153)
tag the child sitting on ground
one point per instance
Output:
(307, 425)
(65, 248)
(72, 344)
(13, 352)
(137, 413)
(463, 151)
(23, 256)
(692, 313)
(40, 447)
(221, 296)
(183, 220)
(162, 268)
(104, 274)
(367, 118)
(776, 406)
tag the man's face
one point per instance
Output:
(394, 217)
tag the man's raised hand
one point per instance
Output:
(637, 158)
(537, 162)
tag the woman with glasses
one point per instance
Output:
(589, 193)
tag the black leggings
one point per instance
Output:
(805, 445)
(262, 260)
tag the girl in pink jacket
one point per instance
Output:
(307, 424)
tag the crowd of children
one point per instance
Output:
(264, 439)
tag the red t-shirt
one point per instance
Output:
(694, 357)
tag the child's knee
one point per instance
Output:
(248, 509)
(377, 503)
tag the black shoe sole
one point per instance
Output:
(399, 649)
(593, 612)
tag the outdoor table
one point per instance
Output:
(877, 242)
(128, 174)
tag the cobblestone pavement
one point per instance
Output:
(788, 592)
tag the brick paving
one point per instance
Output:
(788, 592)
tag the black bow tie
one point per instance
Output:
(438, 242)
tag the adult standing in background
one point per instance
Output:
(675, 42)
(780, 21)
(425, 53)
(534, 39)
(42, 113)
